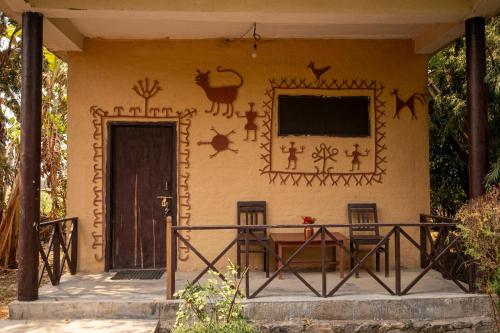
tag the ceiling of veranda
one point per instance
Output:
(431, 24)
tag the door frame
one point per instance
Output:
(109, 145)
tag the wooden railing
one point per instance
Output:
(433, 239)
(395, 234)
(63, 236)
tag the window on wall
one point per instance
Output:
(347, 116)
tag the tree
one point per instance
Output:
(448, 121)
(53, 145)
(54, 107)
(10, 83)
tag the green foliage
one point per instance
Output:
(237, 326)
(45, 203)
(54, 111)
(213, 306)
(448, 121)
(54, 141)
(10, 83)
(480, 230)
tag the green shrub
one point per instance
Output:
(480, 230)
(213, 306)
(236, 326)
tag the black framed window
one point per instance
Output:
(347, 116)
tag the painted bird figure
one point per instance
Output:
(318, 71)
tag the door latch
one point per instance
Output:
(165, 200)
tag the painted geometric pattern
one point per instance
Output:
(323, 178)
(183, 120)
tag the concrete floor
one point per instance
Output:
(96, 296)
(100, 286)
(82, 326)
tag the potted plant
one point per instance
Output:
(308, 231)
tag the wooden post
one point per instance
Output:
(471, 276)
(323, 262)
(247, 263)
(423, 243)
(31, 104)
(170, 255)
(397, 261)
(56, 251)
(74, 245)
(476, 104)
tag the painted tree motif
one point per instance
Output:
(145, 91)
(324, 154)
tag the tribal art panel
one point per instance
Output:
(137, 113)
(324, 176)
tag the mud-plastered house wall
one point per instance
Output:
(393, 169)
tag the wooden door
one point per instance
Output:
(142, 168)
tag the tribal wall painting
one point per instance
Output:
(409, 103)
(145, 91)
(225, 95)
(219, 142)
(251, 116)
(292, 152)
(100, 117)
(324, 165)
(356, 154)
(318, 72)
(325, 155)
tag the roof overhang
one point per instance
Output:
(431, 24)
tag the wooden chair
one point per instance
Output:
(253, 213)
(366, 213)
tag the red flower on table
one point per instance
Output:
(308, 220)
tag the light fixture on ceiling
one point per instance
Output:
(256, 39)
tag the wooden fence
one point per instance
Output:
(438, 240)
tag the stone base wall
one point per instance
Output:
(465, 325)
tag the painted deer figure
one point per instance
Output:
(409, 103)
(219, 95)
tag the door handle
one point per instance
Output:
(164, 200)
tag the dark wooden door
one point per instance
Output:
(142, 168)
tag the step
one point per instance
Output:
(349, 307)
(81, 326)
(92, 309)
(374, 307)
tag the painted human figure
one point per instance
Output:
(292, 152)
(356, 154)
(250, 126)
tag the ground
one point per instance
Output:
(8, 291)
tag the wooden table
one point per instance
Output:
(296, 239)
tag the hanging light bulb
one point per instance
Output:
(256, 38)
(254, 51)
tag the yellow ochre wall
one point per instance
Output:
(105, 72)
